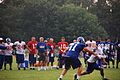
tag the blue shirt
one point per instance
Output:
(3, 47)
(75, 49)
(41, 46)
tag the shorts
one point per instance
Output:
(60, 57)
(74, 62)
(51, 59)
(42, 57)
(19, 58)
(8, 59)
(32, 59)
(1, 60)
(92, 66)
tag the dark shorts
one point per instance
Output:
(118, 56)
(32, 59)
(74, 62)
(42, 57)
(8, 59)
(1, 61)
(60, 57)
(51, 59)
(92, 66)
(19, 58)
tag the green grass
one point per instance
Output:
(112, 74)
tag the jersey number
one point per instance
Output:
(72, 48)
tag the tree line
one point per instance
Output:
(56, 18)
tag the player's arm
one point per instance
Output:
(28, 47)
(90, 52)
(3, 47)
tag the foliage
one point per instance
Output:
(51, 18)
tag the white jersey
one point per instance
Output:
(20, 47)
(93, 58)
(8, 51)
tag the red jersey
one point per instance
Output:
(32, 45)
(63, 47)
(52, 45)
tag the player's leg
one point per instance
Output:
(10, 63)
(79, 72)
(23, 61)
(97, 67)
(77, 64)
(18, 61)
(46, 62)
(113, 59)
(59, 61)
(1, 61)
(30, 61)
(90, 69)
(113, 62)
(5, 63)
(67, 67)
(108, 59)
(62, 74)
(102, 74)
(51, 63)
(9, 60)
(5, 66)
(118, 60)
(40, 62)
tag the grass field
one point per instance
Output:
(112, 74)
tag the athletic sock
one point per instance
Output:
(78, 77)
(61, 76)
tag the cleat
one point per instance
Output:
(75, 77)
(33, 69)
(105, 79)
(59, 78)
(24, 68)
(10, 68)
(18, 68)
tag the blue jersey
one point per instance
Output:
(75, 49)
(101, 44)
(3, 47)
(41, 46)
(109, 46)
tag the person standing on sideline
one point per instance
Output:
(42, 48)
(63, 47)
(2, 48)
(20, 46)
(118, 52)
(8, 53)
(31, 46)
(52, 45)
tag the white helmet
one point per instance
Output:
(1, 39)
(81, 40)
(8, 40)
